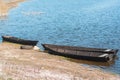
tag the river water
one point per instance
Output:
(88, 23)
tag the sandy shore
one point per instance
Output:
(5, 6)
(17, 64)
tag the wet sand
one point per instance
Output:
(5, 6)
(17, 64)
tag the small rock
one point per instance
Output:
(36, 48)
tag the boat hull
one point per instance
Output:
(78, 54)
(19, 41)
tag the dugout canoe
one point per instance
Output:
(19, 41)
(93, 54)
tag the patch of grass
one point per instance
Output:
(9, 79)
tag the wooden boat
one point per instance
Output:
(93, 54)
(19, 41)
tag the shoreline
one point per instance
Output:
(23, 64)
(6, 6)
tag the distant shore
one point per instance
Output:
(5, 6)
(17, 64)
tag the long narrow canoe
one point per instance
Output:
(93, 54)
(19, 41)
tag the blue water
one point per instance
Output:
(89, 23)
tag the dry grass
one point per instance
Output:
(17, 64)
